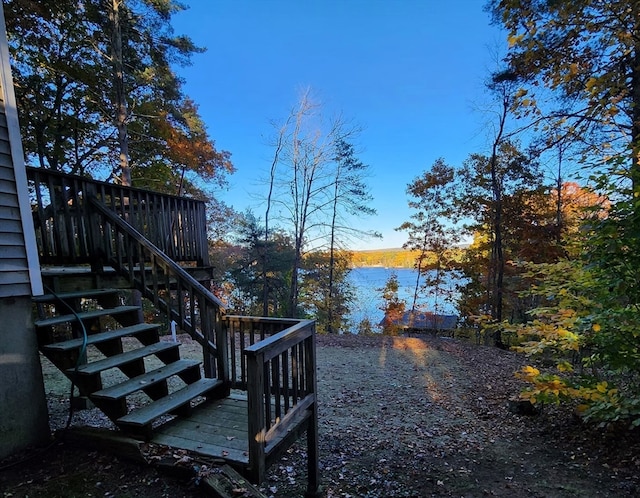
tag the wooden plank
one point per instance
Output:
(226, 483)
(124, 358)
(145, 380)
(202, 448)
(188, 429)
(212, 426)
(87, 294)
(278, 343)
(152, 411)
(85, 315)
(102, 337)
(291, 420)
(221, 412)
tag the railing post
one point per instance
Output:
(256, 422)
(96, 239)
(207, 324)
(222, 343)
(313, 467)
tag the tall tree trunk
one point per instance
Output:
(120, 101)
(496, 267)
(332, 255)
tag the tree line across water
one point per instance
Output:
(551, 205)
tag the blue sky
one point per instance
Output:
(410, 72)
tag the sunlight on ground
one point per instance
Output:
(425, 360)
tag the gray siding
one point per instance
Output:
(14, 266)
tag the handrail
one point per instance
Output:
(195, 309)
(280, 342)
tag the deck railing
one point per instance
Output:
(176, 225)
(245, 331)
(192, 306)
(281, 393)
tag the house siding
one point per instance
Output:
(14, 266)
(23, 408)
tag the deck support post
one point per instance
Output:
(256, 422)
(313, 467)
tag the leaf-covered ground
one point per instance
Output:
(399, 417)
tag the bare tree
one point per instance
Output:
(315, 177)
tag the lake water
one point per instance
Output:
(368, 283)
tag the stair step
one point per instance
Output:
(147, 414)
(124, 358)
(102, 336)
(130, 386)
(62, 296)
(84, 315)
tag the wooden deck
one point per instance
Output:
(217, 429)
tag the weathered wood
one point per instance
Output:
(120, 360)
(102, 336)
(147, 414)
(256, 410)
(202, 447)
(85, 315)
(85, 294)
(63, 226)
(280, 342)
(224, 482)
(146, 380)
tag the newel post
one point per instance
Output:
(257, 426)
(313, 463)
(222, 345)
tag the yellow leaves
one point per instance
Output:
(564, 366)
(590, 84)
(521, 93)
(528, 373)
(602, 387)
(514, 39)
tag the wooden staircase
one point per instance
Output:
(117, 362)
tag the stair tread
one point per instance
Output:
(84, 315)
(123, 358)
(130, 386)
(147, 414)
(61, 296)
(101, 337)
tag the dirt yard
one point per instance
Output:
(399, 417)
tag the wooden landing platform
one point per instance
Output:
(215, 429)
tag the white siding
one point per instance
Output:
(19, 268)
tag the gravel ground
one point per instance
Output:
(399, 417)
